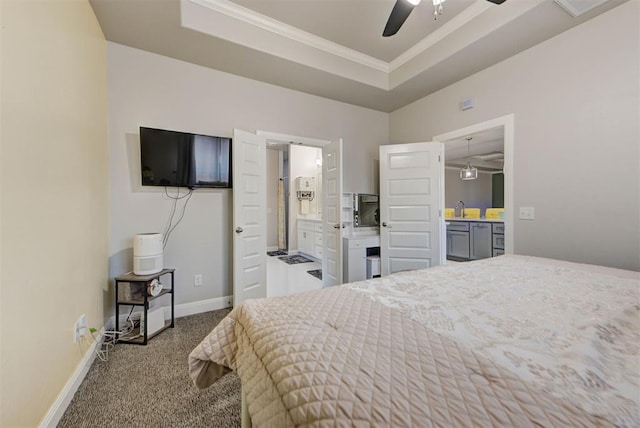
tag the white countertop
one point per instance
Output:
(488, 220)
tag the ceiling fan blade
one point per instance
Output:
(399, 14)
(401, 11)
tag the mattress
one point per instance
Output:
(512, 341)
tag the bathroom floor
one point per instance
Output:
(284, 279)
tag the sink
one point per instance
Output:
(471, 213)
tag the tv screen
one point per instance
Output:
(181, 159)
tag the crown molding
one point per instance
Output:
(455, 23)
(251, 17)
(256, 19)
(293, 44)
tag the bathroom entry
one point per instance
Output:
(294, 191)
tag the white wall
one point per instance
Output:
(146, 89)
(54, 194)
(576, 152)
(302, 163)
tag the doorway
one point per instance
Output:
(292, 160)
(489, 135)
(289, 165)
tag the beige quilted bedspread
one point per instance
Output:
(338, 358)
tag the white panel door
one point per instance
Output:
(410, 199)
(332, 214)
(249, 216)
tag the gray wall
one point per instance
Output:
(474, 193)
(146, 89)
(576, 104)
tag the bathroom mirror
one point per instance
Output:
(366, 210)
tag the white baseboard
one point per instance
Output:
(192, 308)
(58, 408)
(181, 310)
(66, 395)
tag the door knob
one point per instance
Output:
(239, 230)
(384, 224)
(337, 226)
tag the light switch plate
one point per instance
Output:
(526, 213)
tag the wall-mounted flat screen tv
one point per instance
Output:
(182, 159)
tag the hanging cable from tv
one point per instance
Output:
(170, 226)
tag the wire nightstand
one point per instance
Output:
(138, 296)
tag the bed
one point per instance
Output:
(506, 341)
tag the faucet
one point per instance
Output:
(462, 210)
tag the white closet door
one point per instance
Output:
(410, 195)
(249, 216)
(332, 214)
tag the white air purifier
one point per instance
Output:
(147, 253)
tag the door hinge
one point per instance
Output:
(439, 158)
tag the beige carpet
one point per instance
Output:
(149, 386)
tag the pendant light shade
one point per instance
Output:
(468, 172)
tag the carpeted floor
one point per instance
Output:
(149, 386)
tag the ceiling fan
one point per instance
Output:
(403, 8)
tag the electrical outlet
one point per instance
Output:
(197, 280)
(80, 328)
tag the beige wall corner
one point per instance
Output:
(54, 193)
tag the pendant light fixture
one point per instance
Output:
(468, 172)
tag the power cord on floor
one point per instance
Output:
(107, 339)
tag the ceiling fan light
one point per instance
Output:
(437, 8)
(468, 173)
(414, 2)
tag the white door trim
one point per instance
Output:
(295, 139)
(507, 122)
